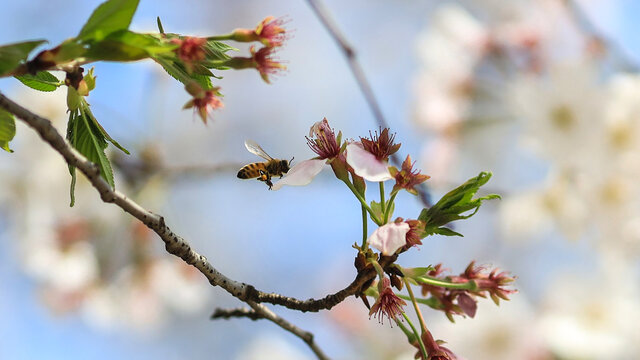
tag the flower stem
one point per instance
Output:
(415, 305)
(362, 201)
(220, 37)
(423, 350)
(388, 209)
(470, 285)
(364, 228)
(382, 204)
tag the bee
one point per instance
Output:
(263, 171)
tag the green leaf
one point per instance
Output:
(377, 210)
(216, 50)
(125, 45)
(71, 129)
(455, 205)
(42, 81)
(446, 232)
(7, 129)
(88, 113)
(87, 138)
(178, 72)
(110, 16)
(13, 55)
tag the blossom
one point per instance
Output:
(323, 141)
(325, 144)
(407, 178)
(389, 237)
(434, 350)
(369, 157)
(415, 234)
(382, 146)
(387, 304)
(269, 32)
(190, 50)
(203, 101)
(265, 63)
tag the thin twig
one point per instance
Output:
(258, 312)
(306, 336)
(235, 313)
(350, 54)
(174, 243)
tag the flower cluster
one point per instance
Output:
(358, 162)
(198, 55)
(461, 301)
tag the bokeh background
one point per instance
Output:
(543, 94)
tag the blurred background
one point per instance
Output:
(545, 94)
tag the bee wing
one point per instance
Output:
(254, 148)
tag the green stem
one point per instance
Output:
(471, 285)
(363, 202)
(220, 37)
(430, 302)
(364, 228)
(423, 350)
(382, 200)
(388, 209)
(407, 284)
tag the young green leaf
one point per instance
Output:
(216, 50)
(110, 16)
(178, 72)
(89, 114)
(7, 129)
(87, 138)
(454, 204)
(42, 81)
(13, 55)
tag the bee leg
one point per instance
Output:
(264, 176)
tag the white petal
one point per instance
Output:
(366, 165)
(389, 238)
(301, 173)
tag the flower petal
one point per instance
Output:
(301, 173)
(389, 237)
(366, 165)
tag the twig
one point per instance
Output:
(258, 312)
(236, 313)
(306, 336)
(350, 54)
(174, 243)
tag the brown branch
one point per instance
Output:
(350, 54)
(306, 336)
(258, 312)
(235, 313)
(174, 244)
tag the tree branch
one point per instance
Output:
(350, 54)
(174, 243)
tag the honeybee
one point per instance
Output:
(263, 171)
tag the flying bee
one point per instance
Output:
(263, 171)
